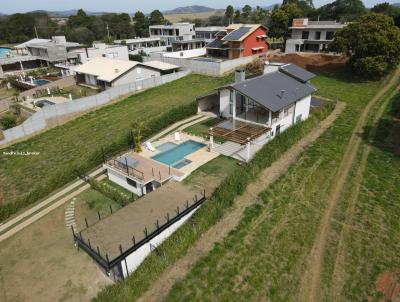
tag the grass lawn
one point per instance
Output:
(78, 143)
(76, 92)
(200, 129)
(265, 257)
(210, 175)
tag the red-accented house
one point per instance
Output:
(239, 40)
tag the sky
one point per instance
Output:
(130, 6)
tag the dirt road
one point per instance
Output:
(310, 283)
(218, 232)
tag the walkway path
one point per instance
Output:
(310, 284)
(220, 231)
(35, 213)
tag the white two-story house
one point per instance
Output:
(255, 110)
(173, 32)
(311, 36)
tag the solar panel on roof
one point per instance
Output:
(126, 160)
(297, 72)
(237, 34)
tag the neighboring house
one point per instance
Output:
(172, 32)
(264, 105)
(239, 40)
(208, 33)
(22, 48)
(188, 44)
(102, 50)
(147, 45)
(311, 36)
(57, 50)
(105, 73)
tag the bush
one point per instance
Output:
(110, 193)
(8, 121)
(137, 58)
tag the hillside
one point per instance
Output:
(189, 10)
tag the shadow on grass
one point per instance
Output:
(387, 136)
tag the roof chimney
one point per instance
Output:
(116, 70)
(240, 75)
(282, 93)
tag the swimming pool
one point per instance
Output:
(41, 82)
(4, 51)
(175, 156)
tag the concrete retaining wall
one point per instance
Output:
(203, 67)
(53, 115)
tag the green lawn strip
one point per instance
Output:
(265, 257)
(370, 242)
(236, 183)
(200, 129)
(78, 143)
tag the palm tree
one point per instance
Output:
(138, 128)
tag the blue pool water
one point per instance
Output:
(175, 156)
(41, 82)
(4, 51)
(166, 146)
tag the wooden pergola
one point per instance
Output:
(241, 134)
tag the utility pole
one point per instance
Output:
(108, 31)
(37, 37)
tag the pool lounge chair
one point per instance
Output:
(150, 147)
(177, 136)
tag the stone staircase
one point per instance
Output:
(70, 215)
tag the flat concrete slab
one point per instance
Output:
(120, 227)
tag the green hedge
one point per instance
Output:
(110, 192)
(209, 214)
(154, 126)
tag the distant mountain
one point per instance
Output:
(396, 4)
(67, 13)
(189, 10)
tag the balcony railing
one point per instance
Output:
(130, 171)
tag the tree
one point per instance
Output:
(229, 13)
(388, 10)
(282, 18)
(141, 24)
(246, 12)
(237, 16)
(373, 44)
(342, 10)
(156, 18)
(82, 35)
(279, 24)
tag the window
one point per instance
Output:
(329, 35)
(305, 34)
(131, 182)
(317, 35)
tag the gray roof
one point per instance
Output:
(275, 90)
(297, 72)
(215, 44)
(238, 33)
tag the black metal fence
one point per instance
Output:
(110, 265)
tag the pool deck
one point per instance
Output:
(197, 158)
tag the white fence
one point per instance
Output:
(185, 54)
(202, 65)
(39, 121)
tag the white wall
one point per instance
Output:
(303, 108)
(39, 120)
(138, 73)
(224, 102)
(192, 53)
(120, 180)
(137, 257)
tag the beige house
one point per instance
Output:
(105, 73)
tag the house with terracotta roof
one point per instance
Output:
(239, 40)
